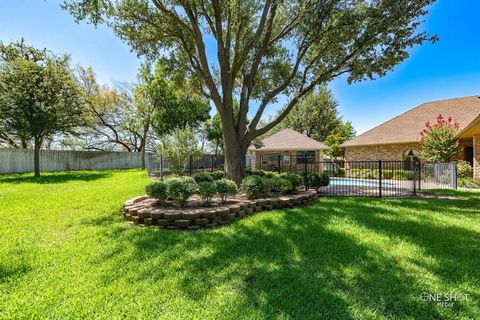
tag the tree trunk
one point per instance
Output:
(143, 158)
(235, 164)
(234, 152)
(36, 157)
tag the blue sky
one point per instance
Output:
(447, 69)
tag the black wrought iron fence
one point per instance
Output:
(348, 178)
(372, 178)
(160, 166)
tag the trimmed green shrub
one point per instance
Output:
(217, 175)
(402, 175)
(269, 185)
(270, 174)
(387, 174)
(206, 190)
(283, 186)
(468, 183)
(317, 180)
(226, 188)
(157, 190)
(294, 179)
(278, 185)
(180, 189)
(190, 182)
(202, 177)
(261, 173)
(464, 169)
(253, 186)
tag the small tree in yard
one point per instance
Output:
(439, 141)
(39, 97)
(177, 149)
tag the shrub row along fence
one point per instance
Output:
(21, 160)
(159, 166)
(375, 178)
(348, 178)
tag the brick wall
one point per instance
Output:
(256, 158)
(476, 157)
(392, 152)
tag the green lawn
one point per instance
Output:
(65, 252)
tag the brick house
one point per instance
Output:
(398, 138)
(286, 148)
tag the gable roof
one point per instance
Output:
(407, 126)
(287, 139)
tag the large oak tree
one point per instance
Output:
(263, 49)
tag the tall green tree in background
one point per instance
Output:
(341, 134)
(215, 133)
(39, 96)
(316, 116)
(265, 50)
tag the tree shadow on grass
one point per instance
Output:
(53, 178)
(10, 272)
(296, 267)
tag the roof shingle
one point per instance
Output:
(288, 139)
(407, 126)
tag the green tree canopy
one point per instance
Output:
(316, 116)
(264, 50)
(39, 96)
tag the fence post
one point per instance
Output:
(213, 165)
(419, 175)
(279, 163)
(415, 175)
(380, 178)
(161, 167)
(454, 177)
(190, 164)
(305, 177)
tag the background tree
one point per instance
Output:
(39, 96)
(215, 133)
(339, 135)
(439, 141)
(315, 116)
(264, 49)
(178, 147)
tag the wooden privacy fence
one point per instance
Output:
(21, 160)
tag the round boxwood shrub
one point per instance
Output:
(180, 189)
(254, 172)
(270, 174)
(217, 175)
(206, 190)
(202, 177)
(226, 188)
(317, 180)
(157, 190)
(253, 186)
(464, 169)
(190, 182)
(294, 179)
(269, 186)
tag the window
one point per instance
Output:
(286, 159)
(305, 156)
(264, 160)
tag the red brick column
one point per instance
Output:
(476, 157)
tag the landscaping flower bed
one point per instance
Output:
(145, 211)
